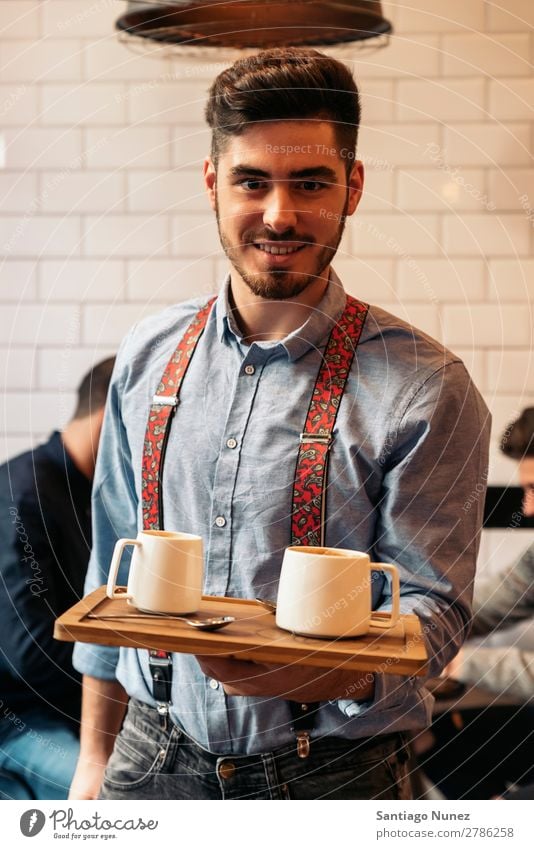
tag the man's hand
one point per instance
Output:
(87, 780)
(297, 683)
(453, 668)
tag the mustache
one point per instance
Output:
(288, 236)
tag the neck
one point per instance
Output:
(80, 439)
(262, 319)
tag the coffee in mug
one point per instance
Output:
(166, 572)
(326, 592)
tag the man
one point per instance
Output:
(45, 499)
(409, 443)
(479, 753)
(507, 597)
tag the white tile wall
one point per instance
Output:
(103, 215)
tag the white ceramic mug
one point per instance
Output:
(326, 592)
(166, 572)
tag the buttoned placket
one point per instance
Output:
(220, 542)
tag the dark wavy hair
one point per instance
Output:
(284, 84)
(93, 388)
(518, 438)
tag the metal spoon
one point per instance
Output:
(270, 605)
(213, 624)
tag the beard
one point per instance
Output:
(276, 283)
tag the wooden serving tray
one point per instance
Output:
(253, 636)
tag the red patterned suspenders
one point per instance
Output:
(309, 499)
(308, 514)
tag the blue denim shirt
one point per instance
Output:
(410, 446)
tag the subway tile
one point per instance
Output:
(391, 145)
(195, 235)
(169, 280)
(40, 236)
(107, 325)
(109, 59)
(20, 19)
(511, 99)
(486, 144)
(153, 191)
(166, 103)
(441, 280)
(17, 368)
(486, 326)
(79, 18)
(511, 280)
(39, 325)
(442, 189)
(43, 60)
(512, 188)
(378, 191)
(512, 16)
(36, 147)
(18, 104)
(425, 318)
(405, 55)
(18, 280)
(190, 144)
(124, 235)
(510, 371)
(394, 235)
(63, 368)
(46, 411)
(18, 191)
(82, 191)
(486, 235)
(132, 147)
(441, 101)
(81, 280)
(85, 103)
(466, 54)
(442, 16)
(371, 281)
(378, 102)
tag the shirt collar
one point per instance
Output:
(312, 334)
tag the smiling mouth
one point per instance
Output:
(277, 250)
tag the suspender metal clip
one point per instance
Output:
(164, 400)
(326, 438)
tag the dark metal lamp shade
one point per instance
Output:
(255, 24)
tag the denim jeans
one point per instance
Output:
(150, 761)
(38, 756)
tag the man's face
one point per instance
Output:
(281, 198)
(526, 479)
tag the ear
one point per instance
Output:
(210, 180)
(355, 183)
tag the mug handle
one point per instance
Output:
(120, 545)
(393, 615)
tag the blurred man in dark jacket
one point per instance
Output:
(45, 528)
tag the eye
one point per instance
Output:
(252, 184)
(311, 185)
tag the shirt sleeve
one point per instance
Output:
(505, 597)
(429, 517)
(29, 607)
(114, 515)
(502, 669)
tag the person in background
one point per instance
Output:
(481, 753)
(45, 528)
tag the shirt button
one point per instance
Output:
(226, 770)
(220, 521)
(214, 684)
(231, 443)
(249, 369)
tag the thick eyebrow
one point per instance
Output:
(317, 172)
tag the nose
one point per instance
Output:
(280, 213)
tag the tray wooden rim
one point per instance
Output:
(371, 652)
